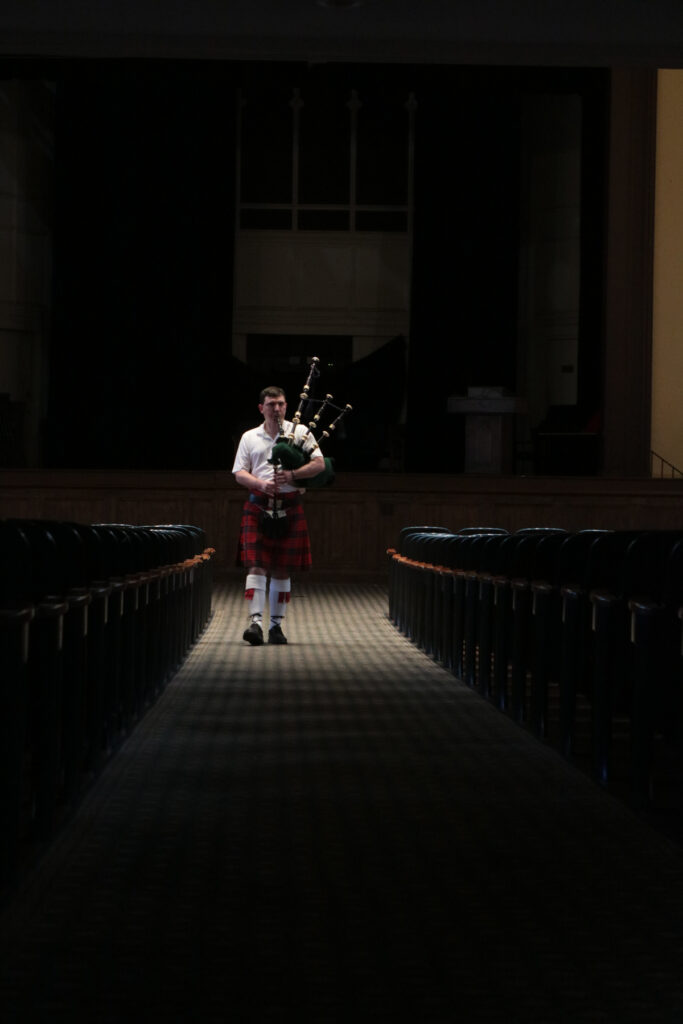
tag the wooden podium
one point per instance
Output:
(489, 429)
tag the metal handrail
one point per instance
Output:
(666, 468)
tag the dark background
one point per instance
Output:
(141, 370)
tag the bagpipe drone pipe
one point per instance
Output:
(295, 449)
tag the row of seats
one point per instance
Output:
(94, 621)
(588, 621)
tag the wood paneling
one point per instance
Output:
(353, 522)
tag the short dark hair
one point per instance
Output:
(271, 392)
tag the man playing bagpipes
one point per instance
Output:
(274, 538)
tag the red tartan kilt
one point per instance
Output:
(292, 552)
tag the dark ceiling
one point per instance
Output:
(515, 32)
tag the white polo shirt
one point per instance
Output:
(255, 448)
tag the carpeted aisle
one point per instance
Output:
(339, 831)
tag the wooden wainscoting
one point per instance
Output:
(353, 522)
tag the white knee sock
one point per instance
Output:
(255, 594)
(278, 596)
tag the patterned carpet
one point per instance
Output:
(335, 831)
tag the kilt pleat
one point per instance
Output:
(291, 553)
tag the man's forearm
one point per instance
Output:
(248, 480)
(309, 469)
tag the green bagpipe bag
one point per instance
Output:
(291, 457)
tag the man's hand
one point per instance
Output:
(270, 487)
(282, 477)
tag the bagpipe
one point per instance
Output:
(293, 450)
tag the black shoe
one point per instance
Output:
(253, 635)
(276, 636)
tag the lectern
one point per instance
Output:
(489, 428)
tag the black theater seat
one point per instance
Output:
(17, 612)
(52, 732)
(592, 619)
(651, 590)
(570, 629)
(489, 565)
(608, 670)
(94, 619)
(404, 575)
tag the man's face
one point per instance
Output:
(273, 410)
